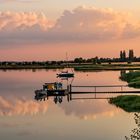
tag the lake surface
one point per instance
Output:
(23, 118)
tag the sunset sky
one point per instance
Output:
(46, 30)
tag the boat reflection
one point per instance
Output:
(58, 99)
(57, 92)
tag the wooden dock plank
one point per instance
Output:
(100, 86)
(104, 92)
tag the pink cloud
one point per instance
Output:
(94, 24)
(12, 21)
(83, 24)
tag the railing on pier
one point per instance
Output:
(97, 87)
(70, 89)
(96, 91)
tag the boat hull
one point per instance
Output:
(66, 75)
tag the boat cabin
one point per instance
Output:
(52, 86)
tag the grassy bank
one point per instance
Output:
(129, 103)
(107, 67)
(31, 67)
(133, 79)
(76, 66)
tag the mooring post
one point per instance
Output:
(68, 98)
(67, 89)
(95, 91)
(70, 88)
(70, 92)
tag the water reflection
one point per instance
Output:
(57, 91)
(51, 89)
(79, 108)
(22, 117)
(21, 107)
(135, 133)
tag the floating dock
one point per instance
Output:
(56, 90)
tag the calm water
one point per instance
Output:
(21, 117)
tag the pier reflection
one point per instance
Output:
(60, 90)
(51, 90)
(135, 133)
(57, 92)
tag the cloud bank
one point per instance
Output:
(14, 21)
(83, 24)
(21, 107)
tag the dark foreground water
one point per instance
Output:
(23, 118)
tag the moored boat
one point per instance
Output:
(50, 89)
(65, 74)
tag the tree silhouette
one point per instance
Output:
(131, 54)
(122, 55)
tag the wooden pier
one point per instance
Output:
(95, 89)
(92, 90)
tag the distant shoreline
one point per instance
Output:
(76, 67)
(30, 67)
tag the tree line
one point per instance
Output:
(124, 57)
(130, 57)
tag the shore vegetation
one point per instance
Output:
(133, 78)
(129, 103)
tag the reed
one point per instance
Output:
(129, 103)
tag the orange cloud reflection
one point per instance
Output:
(91, 109)
(21, 107)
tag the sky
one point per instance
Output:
(45, 30)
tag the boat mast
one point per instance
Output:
(67, 60)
